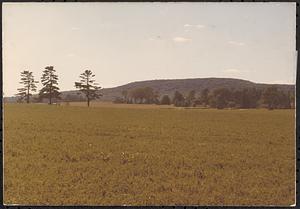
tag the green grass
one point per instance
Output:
(114, 156)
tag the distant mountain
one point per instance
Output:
(169, 86)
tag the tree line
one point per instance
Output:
(271, 98)
(50, 89)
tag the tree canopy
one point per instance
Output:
(50, 82)
(28, 86)
(88, 86)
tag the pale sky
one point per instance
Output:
(126, 42)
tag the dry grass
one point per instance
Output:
(111, 105)
(147, 156)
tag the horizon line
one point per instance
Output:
(165, 79)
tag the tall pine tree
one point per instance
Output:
(50, 81)
(28, 82)
(88, 86)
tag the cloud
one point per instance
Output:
(236, 43)
(232, 70)
(181, 39)
(194, 26)
(187, 25)
(200, 26)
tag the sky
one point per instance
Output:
(126, 42)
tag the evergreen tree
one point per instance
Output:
(88, 86)
(222, 96)
(178, 99)
(190, 99)
(165, 100)
(28, 82)
(50, 81)
(271, 97)
(125, 95)
(292, 98)
(204, 99)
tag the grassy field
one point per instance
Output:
(147, 156)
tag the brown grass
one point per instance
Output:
(68, 155)
(115, 105)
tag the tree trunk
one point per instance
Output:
(27, 95)
(88, 90)
(50, 94)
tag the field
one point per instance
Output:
(108, 155)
